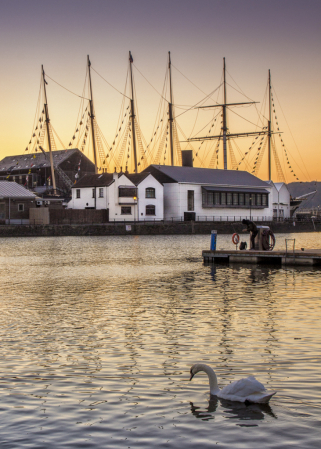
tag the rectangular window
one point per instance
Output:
(101, 192)
(77, 193)
(2, 211)
(264, 199)
(235, 199)
(229, 199)
(94, 193)
(210, 198)
(150, 210)
(241, 199)
(150, 192)
(259, 199)
(21, 207)
(127, 192)
(223, 198)
(126, 210)
(247, 199)
(190, 200)
(217, 198)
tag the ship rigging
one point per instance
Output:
(129, 150)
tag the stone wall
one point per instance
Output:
(78, 216)
(151, 228)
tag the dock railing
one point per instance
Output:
(288, 244)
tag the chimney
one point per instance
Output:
(187, 158)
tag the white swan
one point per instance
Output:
(243, 390)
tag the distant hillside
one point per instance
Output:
(298, 189)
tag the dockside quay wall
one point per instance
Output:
(147, 228)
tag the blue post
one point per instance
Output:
(213, 240)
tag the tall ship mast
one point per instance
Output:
(132, 109)
(224, 130)
(47, 121)
(170, 109)
(92, 116)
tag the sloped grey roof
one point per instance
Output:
(14, 190)
(209, 176)
(34, 160)
(94, 180)
(137, 178)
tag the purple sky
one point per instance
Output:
(254, 36)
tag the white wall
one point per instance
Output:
(85, 200)
(158, 201)
(115, 203)
(111, 201)
(175, 204)
(281, 200)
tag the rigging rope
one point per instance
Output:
(307, 173)
(109, 83)
(47, 76)
(150, 83)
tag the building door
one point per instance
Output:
(190, 200)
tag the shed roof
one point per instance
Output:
(13, 190)
(95, 180)
(196, 175)
(35, 160)
(137, 178)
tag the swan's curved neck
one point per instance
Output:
(211, 377)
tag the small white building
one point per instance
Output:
(127, 197)
(150, 196)
(192, 193)
(280, 200)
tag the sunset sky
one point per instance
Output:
(254, 36)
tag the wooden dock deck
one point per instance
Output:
(283, 257)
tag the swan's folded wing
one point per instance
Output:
(243, 387)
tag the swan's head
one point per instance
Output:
(195, 369)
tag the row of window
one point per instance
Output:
(212, 199)
(149, 210)
(123, 192)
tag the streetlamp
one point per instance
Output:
(250, 206)
(136, 202)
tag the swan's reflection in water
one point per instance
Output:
(233, 410)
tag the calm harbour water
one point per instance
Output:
(98, 335)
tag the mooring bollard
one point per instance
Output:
(213, 240)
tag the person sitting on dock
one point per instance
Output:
(251, 227)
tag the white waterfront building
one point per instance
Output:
(192, 193)
(163, 192)
(127, 197)
(280, 200)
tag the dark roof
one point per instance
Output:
(158, 174)
(137, 178)
(13, 190)
(98, 180)
(195, 175)
(35, 160)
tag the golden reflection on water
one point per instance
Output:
(100, 333)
